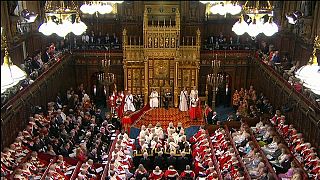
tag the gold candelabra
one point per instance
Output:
(60, 9)
(106, 78)
(316, 46)
(215, 79)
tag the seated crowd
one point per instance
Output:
(228, 163)
(249, 153)
(247, 103)
(155, 154)
(276, 152)
(94, 40)
(280, 154)
(286, 68)
(34, 66)
(75, 130)
(227, 42)
(301, 150)
(41, 61)
(73, 127)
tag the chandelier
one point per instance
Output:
(101, 7)
(310, 73)
(223, 7)
(256, 13)
(215, 79)
(10, 73)
(58, 20)
(105, 77)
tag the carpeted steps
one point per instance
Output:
(153, 116)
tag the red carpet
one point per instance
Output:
(164, 116)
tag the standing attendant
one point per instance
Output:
(119, 105)
(112, 103)
(194, 109)
(94, 93)
(154, 102)
(227, 98)
(235, 100)
(183, 100)
(166, 98)
(193, 94)
(128, 106)
(139, 101)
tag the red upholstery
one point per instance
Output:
(214, 159)
(246, 173)
(105, 171)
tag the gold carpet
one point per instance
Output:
(153, 116)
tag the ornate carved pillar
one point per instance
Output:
(198, 44)
(146, 80)
(125, 77)
(176, 102)
(316, 24)
(5, 20)
(197, 74)
(124, 43)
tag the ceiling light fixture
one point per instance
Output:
(10, 73)
(101, 7)
(63, 14)
(310, 74)
(256, 12)
(223, 7)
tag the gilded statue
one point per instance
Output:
(161, 42)
(150, 42)
(173, 42)
(156, 42)
(167, 42)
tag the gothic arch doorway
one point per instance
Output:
(222, 97)
(101, 92)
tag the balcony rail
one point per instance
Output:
(272, 72)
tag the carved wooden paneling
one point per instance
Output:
(234, 63)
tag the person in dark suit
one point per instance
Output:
(35, 64)
(65, 150)
(227, 96)
(285, 165)
(145, 161)
(93, 155)
(209, 117)
(80, 92)
(37, 146)
(59, 119)
(183, 143)
(238, 116)
(166, 98)
(94, 93)
(159, 160)
(46, 56)
(171, 160)
(214, 118)
(54, 128)
(182, 161)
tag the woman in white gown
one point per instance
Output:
(154, 101)
(183, 100)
